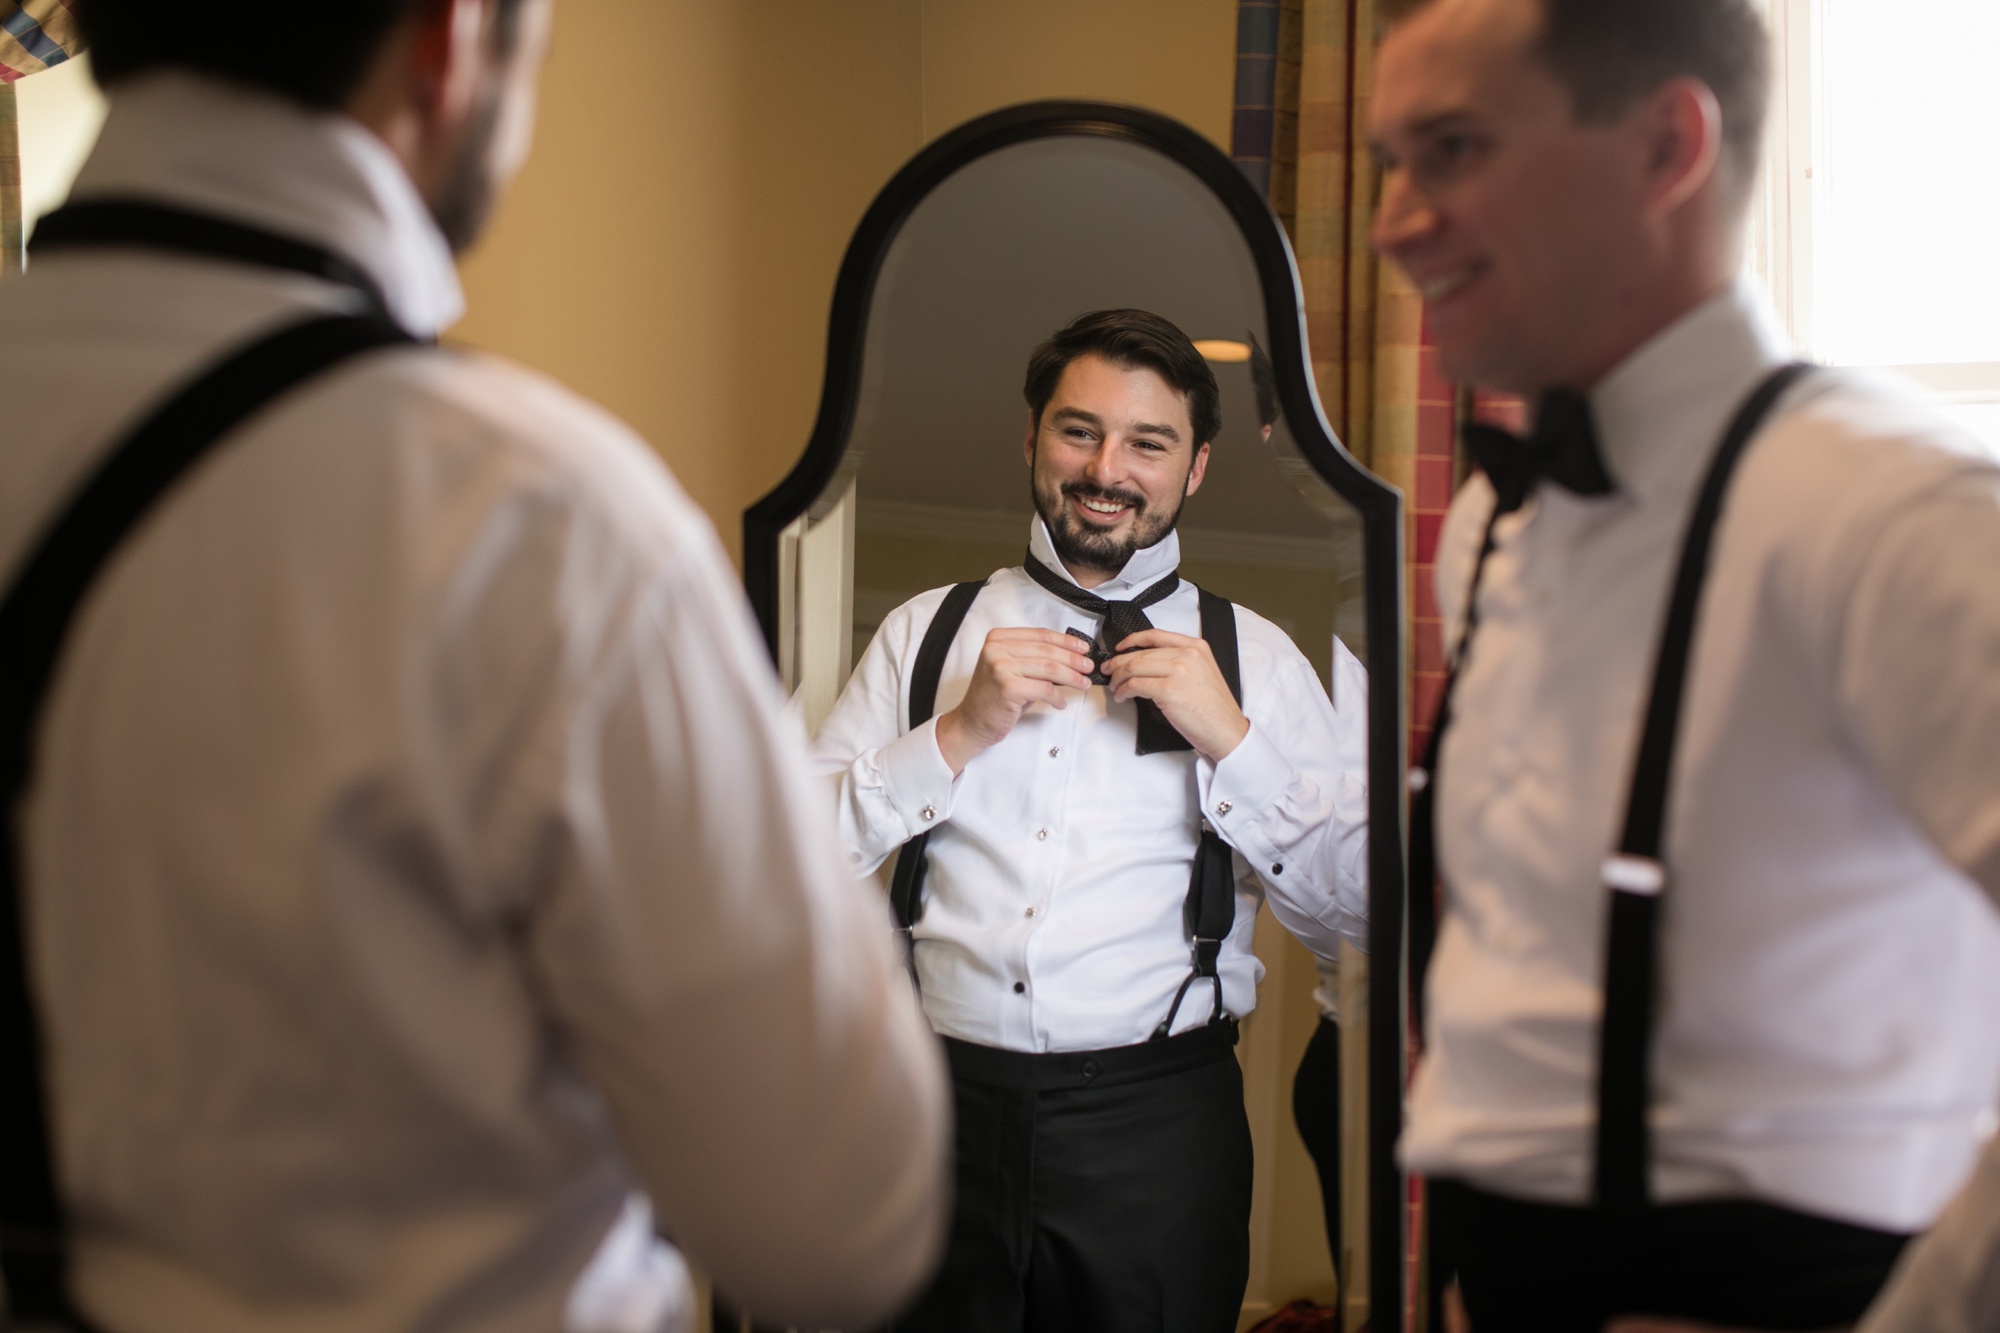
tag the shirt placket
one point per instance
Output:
(1052, 765)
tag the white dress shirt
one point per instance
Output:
(418, 865)
(1827, 1036)
(1060, 858)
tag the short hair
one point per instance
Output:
(1608, 54)
(314, 52)
(1134, 339)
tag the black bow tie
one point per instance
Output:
(1121, 620)
(1562, 448)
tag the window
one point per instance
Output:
(1878, 227)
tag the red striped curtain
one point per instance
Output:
(1304, 72)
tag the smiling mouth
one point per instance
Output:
(1101, 509)
(1441, 287)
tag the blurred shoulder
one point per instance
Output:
(469, 421)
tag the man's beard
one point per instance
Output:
(465, 201)
(1083, 548)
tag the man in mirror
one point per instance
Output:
(1725, 1073)
(1114, 771)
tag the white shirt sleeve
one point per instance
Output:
(1292, 799)
(893, 784)
(1916, 633)
(730, 991)
(1949, 1280)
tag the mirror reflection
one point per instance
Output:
(1043, 822)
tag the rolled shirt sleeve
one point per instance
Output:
(1296, 809)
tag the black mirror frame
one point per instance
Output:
(1379, 504)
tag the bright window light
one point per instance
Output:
(1906, 188)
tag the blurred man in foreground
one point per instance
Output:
(1710, 1028)
(420, 877)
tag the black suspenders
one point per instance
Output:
(1635, 875)
(1210, 910)
(35, 619)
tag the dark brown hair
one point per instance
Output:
(311, 51)
(1608, 54)
(1129, 338)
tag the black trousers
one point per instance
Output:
(1098, 1192)
(1316, 1111)
(1547, 1269)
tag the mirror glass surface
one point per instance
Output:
(933, 489)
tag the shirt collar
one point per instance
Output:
(1144, 569)
(257, 158)
(1661, 411)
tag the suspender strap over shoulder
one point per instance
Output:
(906, 889)
(35, 619)
(143, 223)
(1636, 875)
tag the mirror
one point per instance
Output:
(983, 246)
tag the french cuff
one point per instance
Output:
(919, 782)
(1239, 790)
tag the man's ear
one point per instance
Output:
(1682, 125)
(1197, 472)
(1028, 444)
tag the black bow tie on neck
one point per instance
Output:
(1121, 620)
(1562, 448)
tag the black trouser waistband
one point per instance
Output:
(1055, 1071)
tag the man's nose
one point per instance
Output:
(1106, 466)
(1404, 218)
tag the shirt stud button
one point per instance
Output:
(1020, 987)
(1054, 750)
(1277, 868)
(929, 812)
(1031, 911)
(1041, 835)
(1223, 808)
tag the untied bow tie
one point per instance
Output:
(1562, 448)
(1121, 620)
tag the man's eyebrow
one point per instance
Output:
(1075, 414)
(1436, 123)
(1147, 428)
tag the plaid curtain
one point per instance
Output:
(1304, 69)
(1304, 72)
(34, 34)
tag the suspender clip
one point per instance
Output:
(1626, 873)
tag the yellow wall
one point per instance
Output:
(671, 249)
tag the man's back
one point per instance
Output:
(414, 858)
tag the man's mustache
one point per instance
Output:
(1088, 490)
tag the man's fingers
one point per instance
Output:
(1055, 671)
(1155, 638)
(1021, 635)
(1066, 654)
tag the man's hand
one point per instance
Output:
(1017, 667)
(1180, 675)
